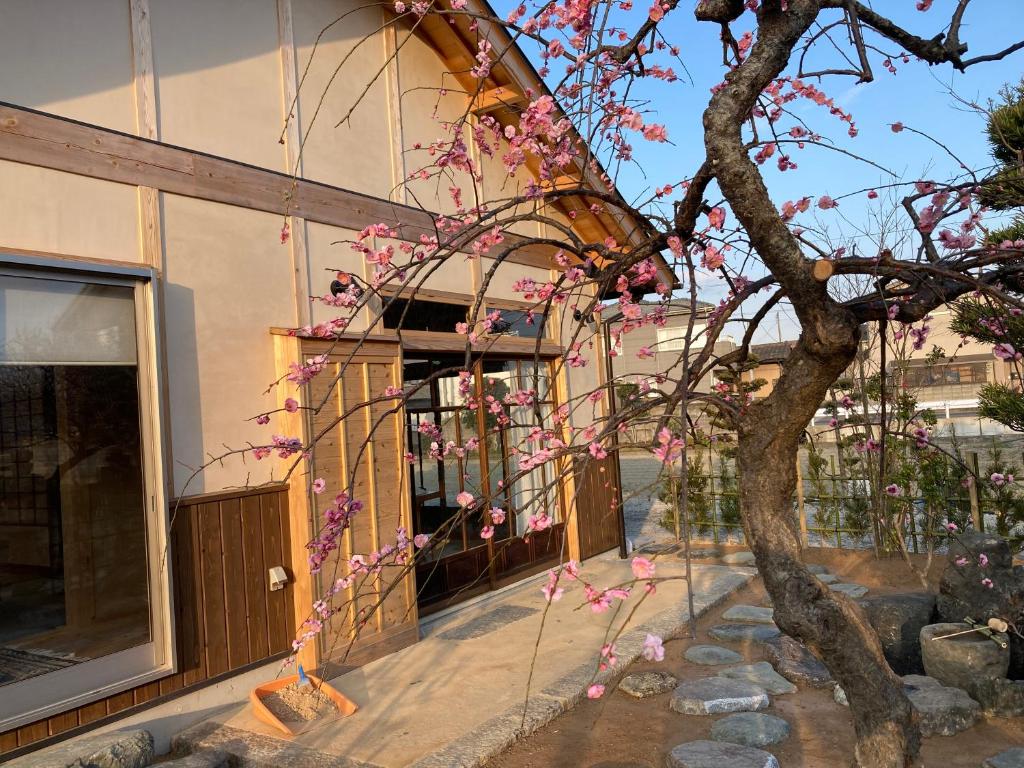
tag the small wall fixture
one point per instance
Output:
(278, 578)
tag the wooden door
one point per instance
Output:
(598, 505)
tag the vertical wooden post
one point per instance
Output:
(800, 501)
(976, 517)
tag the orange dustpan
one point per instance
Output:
(256, 696)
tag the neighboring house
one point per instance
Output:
(143, 286)
(770, 357)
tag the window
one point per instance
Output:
(939, 375)
(674, 339)
(424, 315)
(81, 603)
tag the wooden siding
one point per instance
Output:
(222, 546)
(374, 472)
(598, 505)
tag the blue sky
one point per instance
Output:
(917, 95)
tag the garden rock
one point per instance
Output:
(962, 594)
(711, 655)
(750, 614)
(920, 681)
(715, 695)
(751, 729)
(719, 754)
(852, 591)
(999, 697)
(827, 578)
(739, 558)
(204, 758)
(797, 664)
(744, 633)
(944, 711)
(898, 621)
(816, 569)
(762, 675)
(119, 749)
(643, 684)
(963, 660)
(1011, 758)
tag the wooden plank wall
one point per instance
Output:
(598, 505)
(222, 546)
(380, 482)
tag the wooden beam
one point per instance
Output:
(496, 98)
(36, 138)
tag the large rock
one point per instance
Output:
(962, 660)
(762, 675)
(643, 684)
(744, 633)
(719, 754)
(898, 621)
(1011, 758)
(944, 711)
(962, 593)
(711, 655)
(751, 729)
(118, 749)
(797, 664)
(852, 591)
(999, 697)
(715, 695)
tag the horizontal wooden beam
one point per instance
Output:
(496, 98)
(49, 141)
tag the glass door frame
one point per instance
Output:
(55, 692)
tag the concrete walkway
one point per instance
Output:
(457, 697)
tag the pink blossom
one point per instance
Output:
(497, 515)
(421, 540)
(1006, 351)
(464, 499)
(539, 522)
(983, 560)
(597, 451)
(596, 691)
(987, 583)
(644, 353)
(487, 532)
(642, 568)
(893, 490)
(551, 590)
(291, 405)
(825, 202)
(952, 527)
(998, 479)
(961, 561)
(654, 650)
(716, 218)
(896, 127)
(872, 194)
(319, 484)
(263, 418)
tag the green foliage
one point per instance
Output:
(1005, 188)
(1012, 231)
(729, 501)
(1002, 403)
(1004, 502)
(697, 501)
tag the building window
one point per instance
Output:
(78, 520)
(920, 376)
(424, 315)
(674, 339)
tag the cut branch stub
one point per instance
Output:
(722, 11)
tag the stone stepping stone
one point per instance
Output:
(1011, 758)
(739, 558)
(762, 675)
(715, 695)
(719, 754)
(698, 554)
(643, 684)
(840, 696)
(751, 729)
(797, 664)
(204, 758)
(744, 633)
(751, 614)
(852, 591)
(711, 655)
(827, 578)
(816, 569)
(944, 711)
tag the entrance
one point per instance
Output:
(460, 563)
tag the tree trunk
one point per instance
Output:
(828, 622)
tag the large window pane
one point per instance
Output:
(73, 567)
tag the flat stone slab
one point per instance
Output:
(751, 729)
(719, 754)
(816, 569)
(853, 591)
(715, 695)
(750, 614)
(761, 674)
(711, 655)
(118, 749)
(739, 558)
(1011, 758)
(944, 711)
(999, 697)
(744, 633)
(206, 758)
(643, 684)
(827, 578)
(488, 622)
(797, 664)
